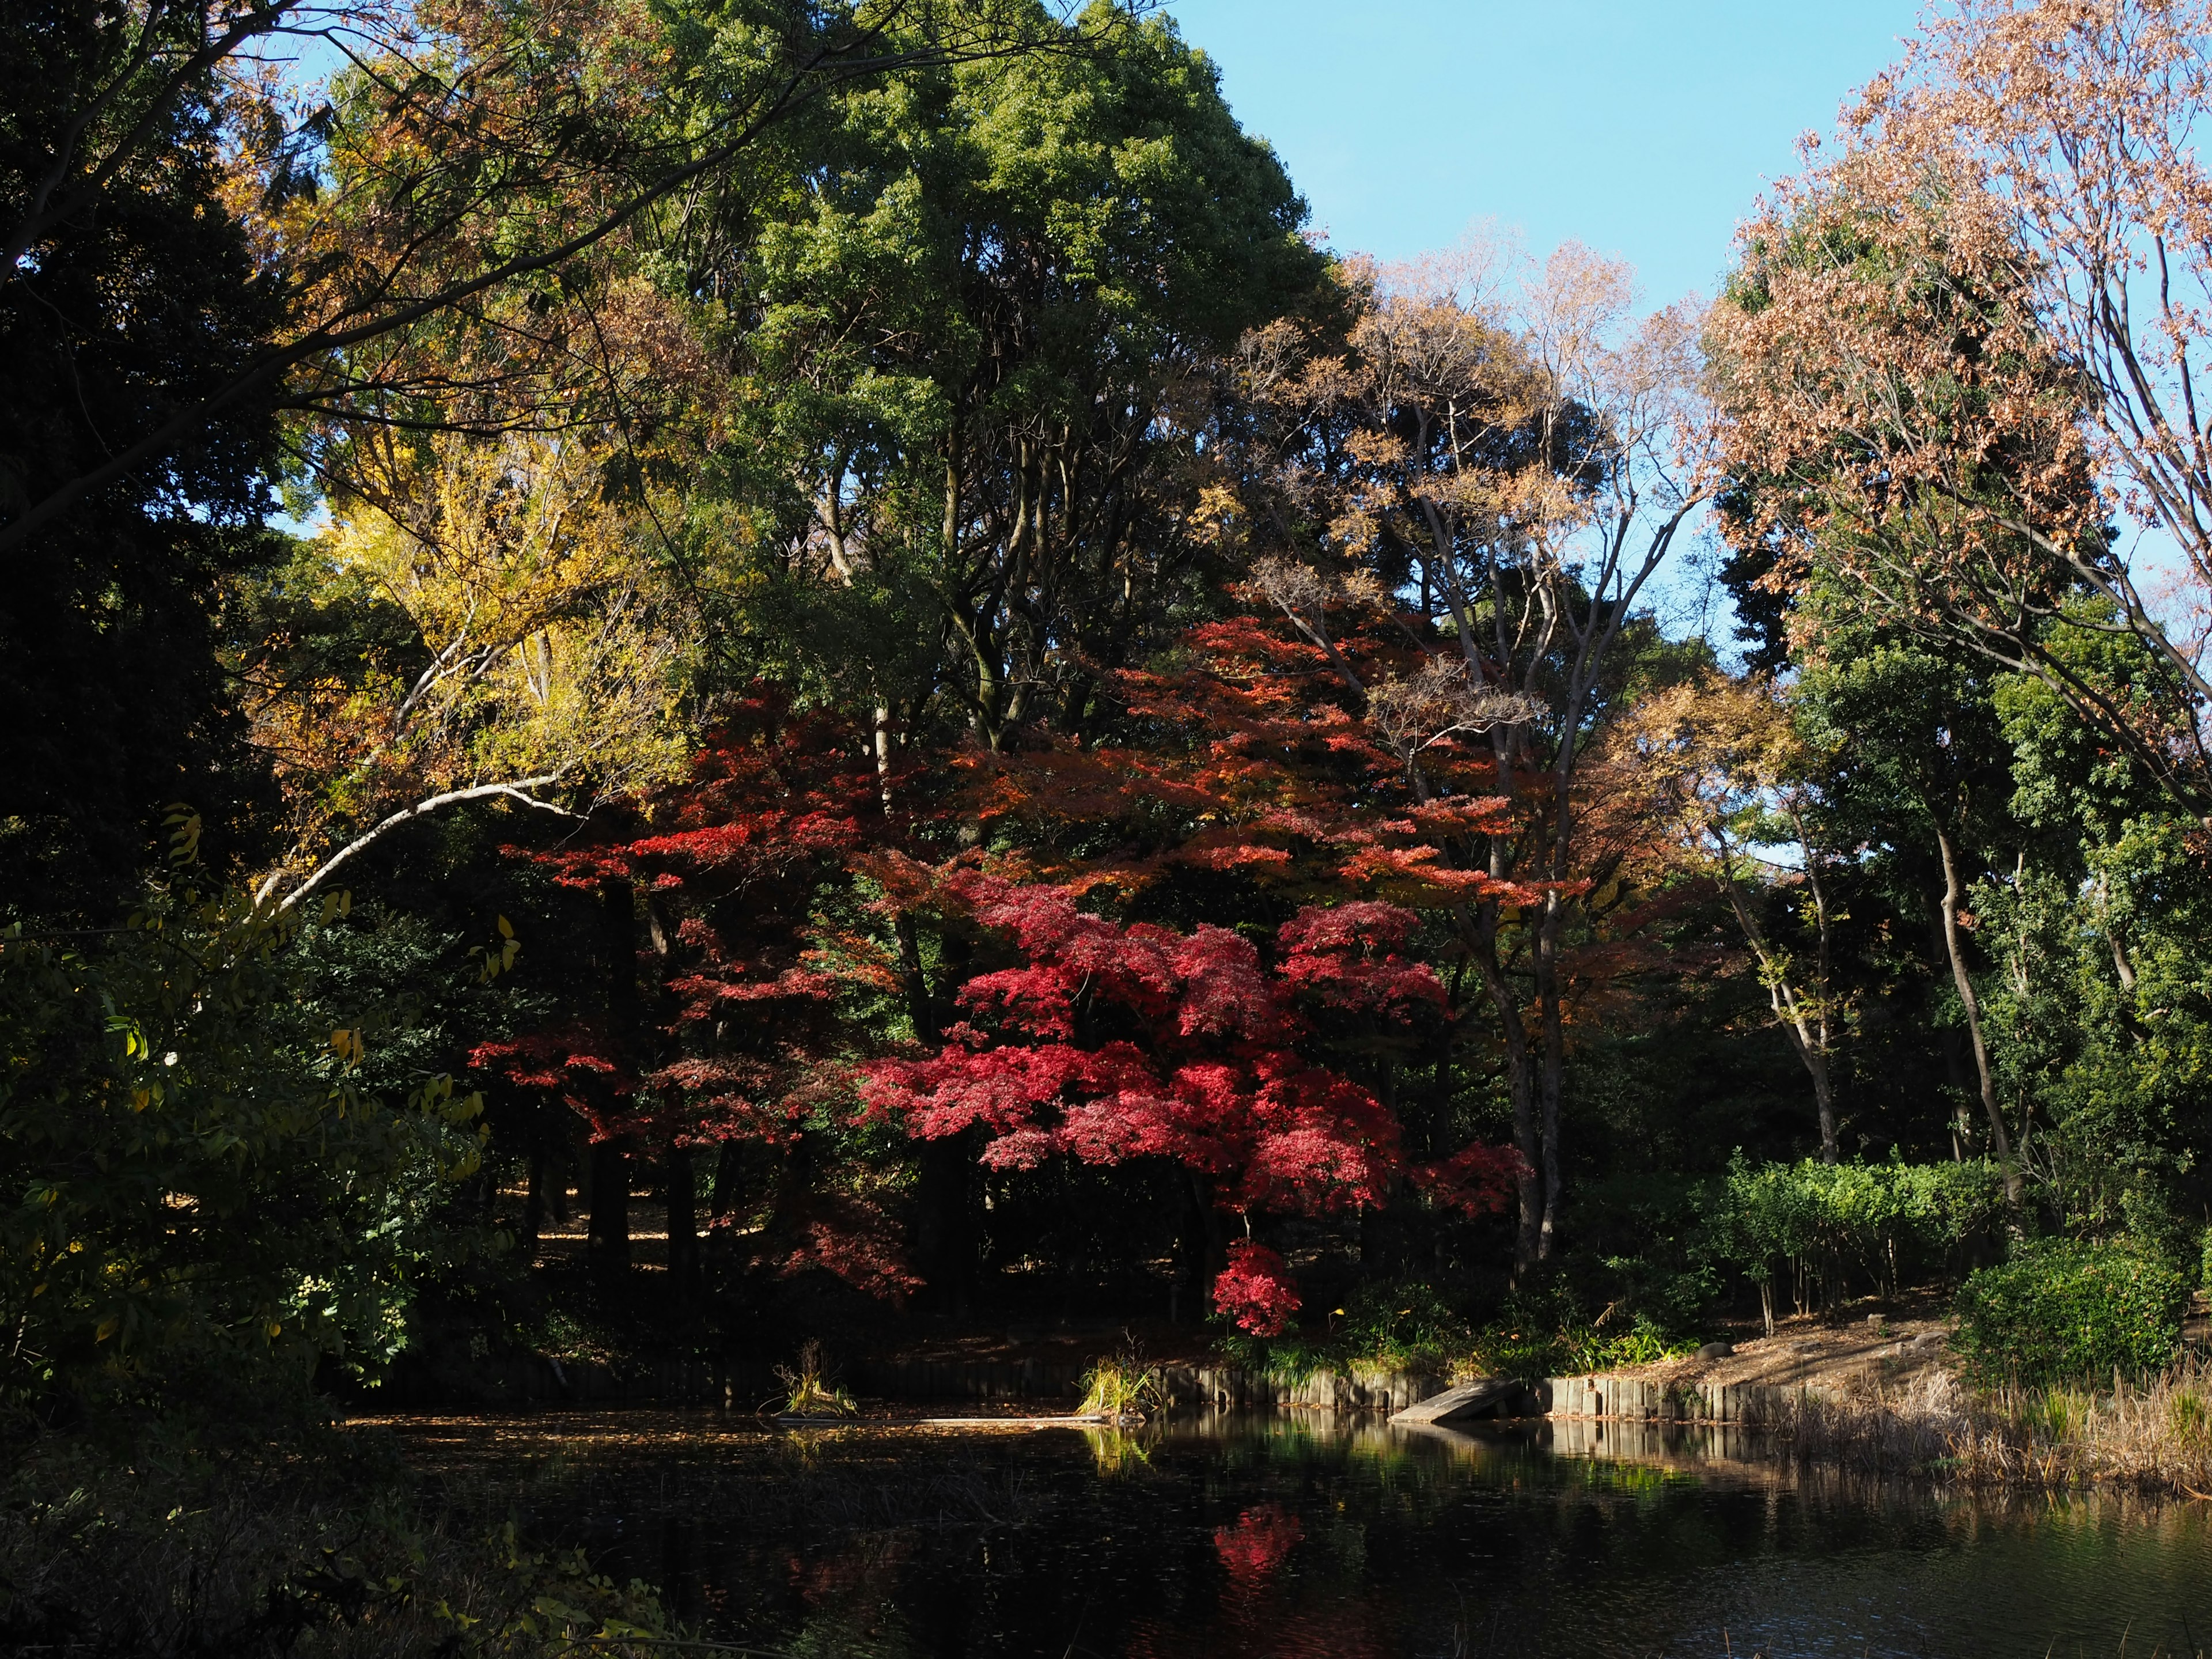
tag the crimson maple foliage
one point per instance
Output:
(1111, 1042)
(743, 1043)
(1256, 1290)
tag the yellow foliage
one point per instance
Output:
(545, 646)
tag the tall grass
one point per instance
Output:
(1123, 1389)
(2156, 1436)
(806, 1392)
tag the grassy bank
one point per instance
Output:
(2154, 1435)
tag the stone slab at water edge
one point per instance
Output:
(1486, 1396)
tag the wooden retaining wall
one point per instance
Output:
(1636, 1398)
(1362, 1389)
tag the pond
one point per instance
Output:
(1310, 1534)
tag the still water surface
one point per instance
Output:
(1309, 1535)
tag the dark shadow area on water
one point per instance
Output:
(1313, 1534)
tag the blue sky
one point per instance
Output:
(1645, 128)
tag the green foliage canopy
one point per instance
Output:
(194, 1189)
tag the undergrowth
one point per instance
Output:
(306, 1550)
(1413, 1326)
(2156, 1435)
(1122, 1389)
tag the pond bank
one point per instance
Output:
(1880, 1398)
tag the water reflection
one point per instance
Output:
(1307, 1534)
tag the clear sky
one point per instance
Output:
(1645, 128)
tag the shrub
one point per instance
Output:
(197, 1191)
(2068, 1311)
(1835, 1222)
(1572, 1349)
(1256, 1290)
(1403, 1322)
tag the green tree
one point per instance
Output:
(113, 315)
(199, 1193)
(982, 339)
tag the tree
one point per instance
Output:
(109, 622)
(1107, 1042)
(1503, 455)
(1731, 774)
(1916, 762)
(979, 349)
(197, 242)
(1964, 344)
(733, 1028)
(462, 155)
(538, 657)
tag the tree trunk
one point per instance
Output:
(610, 1230)
(608, 1245)
(1520, 1087)
(678, 1196)
(1548, 1008)
(1999, 1137)
(1202, 1246)
(725, 1198)
(534, 1205)
(1806, 1029)
(1824, 1102)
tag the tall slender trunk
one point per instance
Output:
(1521, 1088)
(609, 1243)
(679, 1199)
(1819, 1037)
(1805, 1025)
(533, 1204)
(1555, 1061)
(945, 1243)
(2000, 1139)
(727, 1173)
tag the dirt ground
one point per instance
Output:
(1887, 1347)
(1892, 1347)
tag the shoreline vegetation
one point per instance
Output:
(2154, 1435)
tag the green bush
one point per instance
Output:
(198, 1195)
(1838, 1223)
(2064, 1311)
(1571, 1348)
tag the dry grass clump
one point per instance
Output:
(1123, 1389)
(2154, 1435)
(807, 1394)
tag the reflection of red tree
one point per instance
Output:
(1256, 1614)
(1256, 1545)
